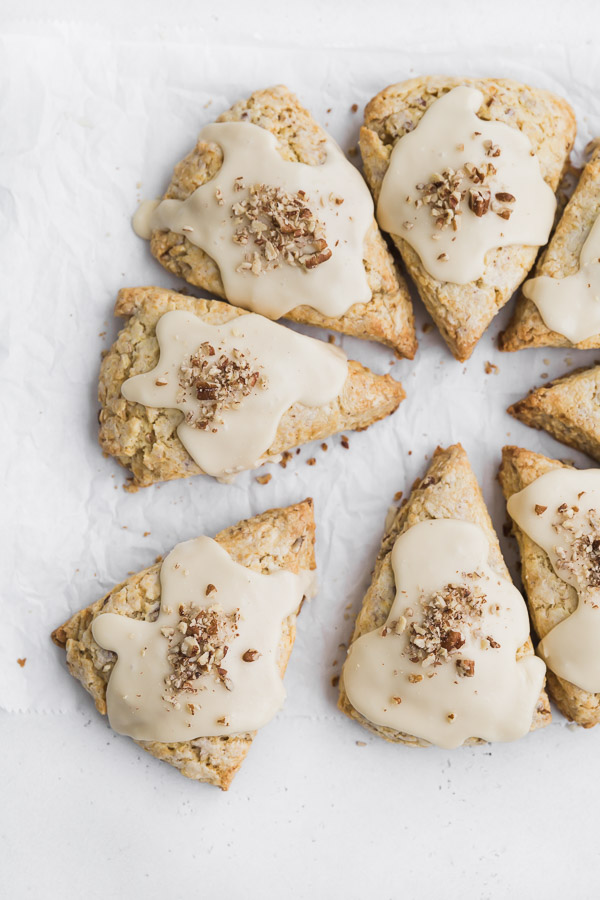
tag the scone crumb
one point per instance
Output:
(345, 442)
(491, 368)
(285, 458)
(398, 496)
(264, 479)
(22, 661)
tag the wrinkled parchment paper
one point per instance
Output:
(95, 128)
(92, 119)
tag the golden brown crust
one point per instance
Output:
(144, 439)
(568, 408)
(387, 317)
(279, 537)
(550, 599)
(449, 490)
(463, 312)
(560, 258)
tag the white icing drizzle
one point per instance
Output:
(335, 192)
(141, 704)
(454, 692)
(571, 306)
(449, 137)
(571, 538)
(292, 368)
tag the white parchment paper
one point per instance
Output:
(93, 122)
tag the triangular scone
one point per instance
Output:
(462, 312)
(560, 258)
(550, 599)
(145, 440)
(281, 538)
(387, 317)
(449, 490)
(568, 408)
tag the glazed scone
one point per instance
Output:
(387, 317)
(550, 599)
(462, 312)
(559, 260)
(282, 538)
(145, 440)
(568, 408)
(449, 491)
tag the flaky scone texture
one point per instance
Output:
(387, 317)
(279, 537)
(462, 312)
(568, 408)
(449, 490)
(550, 599)
(144, 439)
(561, 258)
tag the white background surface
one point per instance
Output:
(95, 98)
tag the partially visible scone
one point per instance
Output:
(568, 408)
(560, 259)
(449, 490)
(145, 439)
(550, 599)
(281, 538)
(462, 312)
(387, 317)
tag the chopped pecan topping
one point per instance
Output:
(216, 381)
(447, 615)
(466, 667)
(540, 510)
(278, 227)
(250, 655)
(198, 646)
(446, 190)
(479, 201)
(491, 149)
(581, 557)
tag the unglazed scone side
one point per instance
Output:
(560, 258)
(386, 318)
(568, 408)
(550, 599)
(279, 537)
(463, 312)
(449, 490)
(144, 439)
